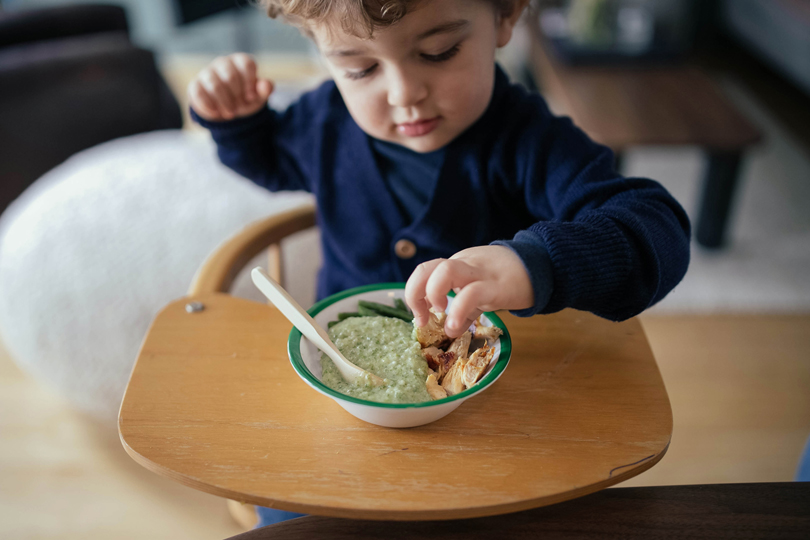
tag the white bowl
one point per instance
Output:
(306, 360)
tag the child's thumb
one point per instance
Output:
(263, 89)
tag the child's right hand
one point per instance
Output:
(484, 278)
(228, 88)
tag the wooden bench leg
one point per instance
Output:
(722, 171)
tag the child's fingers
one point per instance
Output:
(219, 92)
(415, 290)
(232, 79)
(421, 311)
(449, 275)
(201, 102)
(247, 68)
(263, 89)
(467, 306)
(457, 331)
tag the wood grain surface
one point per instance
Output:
(629, 106)
(721, 511)
(213, 403)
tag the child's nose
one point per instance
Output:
(405, 89)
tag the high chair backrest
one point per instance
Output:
(219, 270)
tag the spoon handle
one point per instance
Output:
(307, 326)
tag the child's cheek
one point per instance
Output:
(362, 106)
(371, 113)
(466, 98)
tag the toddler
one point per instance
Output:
(427, 165)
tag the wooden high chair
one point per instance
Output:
(214, 403)
(218, 272)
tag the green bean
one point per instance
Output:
(366, 312)
(342, 316)
(399, 303)
(386, 311)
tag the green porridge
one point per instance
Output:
(386, 347)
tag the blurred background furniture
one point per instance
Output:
(626, 105)
(721, 511)
(188, 11)
(776, 31)
(70, 79)
(621, 31)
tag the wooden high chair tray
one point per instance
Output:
(214, 403)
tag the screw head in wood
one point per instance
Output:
(195, 307)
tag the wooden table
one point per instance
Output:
(214, 403)
(622, 107)
(722, 511)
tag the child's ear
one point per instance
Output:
(507, 23)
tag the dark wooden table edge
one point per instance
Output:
(754, 510)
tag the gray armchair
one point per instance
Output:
(70, 79)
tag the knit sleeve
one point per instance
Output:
(533, 253)
(278, 151)
(616, 245)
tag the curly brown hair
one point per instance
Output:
(357, 17)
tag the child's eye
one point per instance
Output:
(442, 57)
(355, 75)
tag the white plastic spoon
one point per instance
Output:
(309, 328)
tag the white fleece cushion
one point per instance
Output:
(97, 246)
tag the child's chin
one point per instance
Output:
(427, 143)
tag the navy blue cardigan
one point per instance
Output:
(616, 245)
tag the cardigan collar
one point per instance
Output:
(448, 185)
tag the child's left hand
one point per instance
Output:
(485, 278)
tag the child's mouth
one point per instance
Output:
(418, 128)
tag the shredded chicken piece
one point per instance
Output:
(490, 333)
(433, 388)
(475, 366)
(439, 361)
(461, 345)
(453, 366)
(453, 382)
(432, 334)
(448, 360)
(431, 354)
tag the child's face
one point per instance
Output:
(424, 80)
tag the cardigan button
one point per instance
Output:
(405, 249)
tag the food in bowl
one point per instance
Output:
(455, 365)
(386, 347)
(305, 358)
(418, 365)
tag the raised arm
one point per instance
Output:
(271, 149)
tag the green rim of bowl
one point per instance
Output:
(294, 351)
